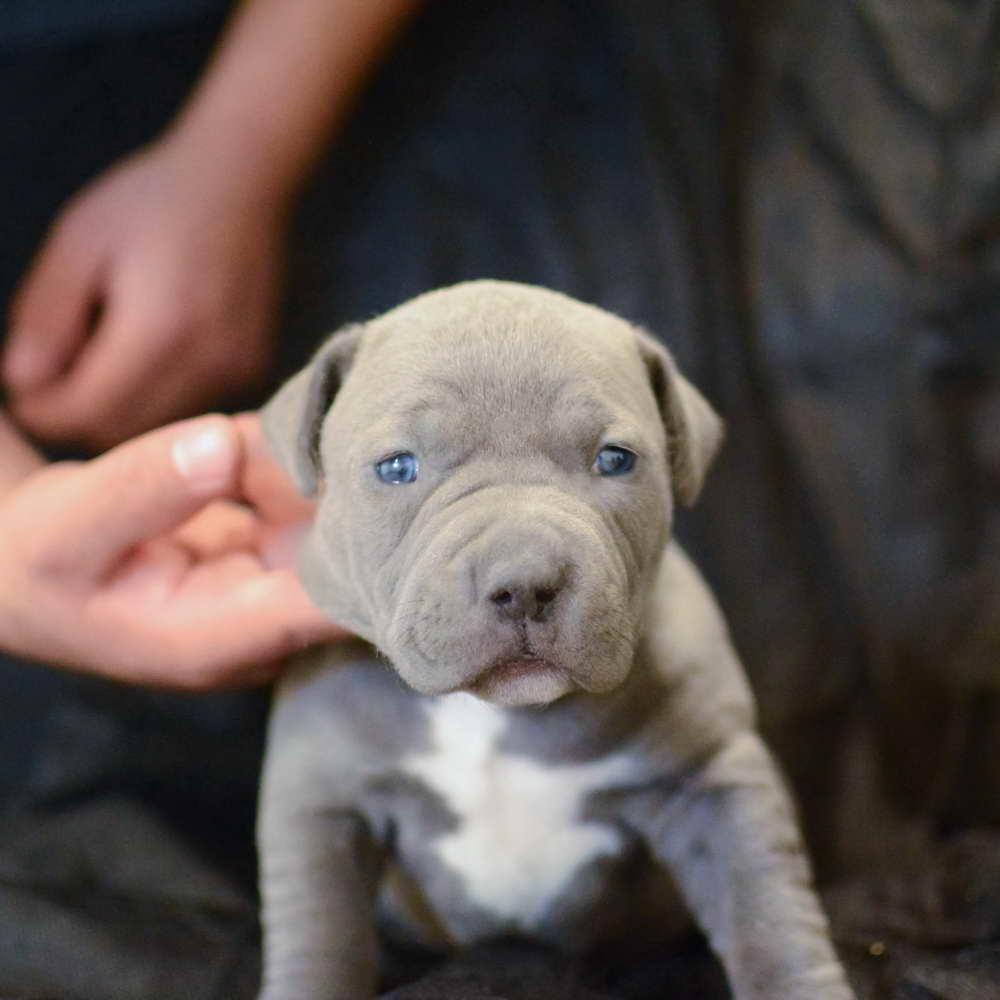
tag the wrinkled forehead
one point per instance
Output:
(517, 360)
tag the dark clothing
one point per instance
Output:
(56, 22)
(69, 110)
(803, 208)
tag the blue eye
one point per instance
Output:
(614, 461)
(397, 469)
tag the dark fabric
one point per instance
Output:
(69, 110)
(924, 927)
(873, 252)
(103, 901)
(800, 198)
(49, 22)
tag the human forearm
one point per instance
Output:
(283, 77)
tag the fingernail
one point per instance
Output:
(205, 456)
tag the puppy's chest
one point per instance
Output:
(517, 830)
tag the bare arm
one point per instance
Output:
(281, 81)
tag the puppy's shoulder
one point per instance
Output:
(690, 653)
(341, 703)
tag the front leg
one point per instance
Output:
(729, 836)
(319, 872)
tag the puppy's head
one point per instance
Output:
(494, 465)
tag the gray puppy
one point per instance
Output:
(575, 740)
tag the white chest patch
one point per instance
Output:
(520, 836)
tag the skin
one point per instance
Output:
(643, 754)
(154, 293)
(166, 561)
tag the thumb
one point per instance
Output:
(144, 489)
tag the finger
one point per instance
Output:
(220, 528)
(126, 379)
(285, 515)
(260, 621)
(263, 482)
(52, 311)
(237, 632)
(57, 417)
(138, 492)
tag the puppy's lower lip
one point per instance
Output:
(513, 669)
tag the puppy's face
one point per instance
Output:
(494, 479)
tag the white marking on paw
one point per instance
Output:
(520, 836)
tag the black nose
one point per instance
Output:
(520, 601)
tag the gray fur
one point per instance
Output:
(611, 719)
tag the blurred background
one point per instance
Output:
(801, 198)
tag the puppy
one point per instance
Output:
(571, 753)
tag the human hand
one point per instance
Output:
(151, 298)
(142, 566)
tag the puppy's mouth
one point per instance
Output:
(521, 680)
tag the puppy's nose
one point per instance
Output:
(520, 599)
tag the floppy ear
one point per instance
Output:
(292, 417)
(694, 429)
